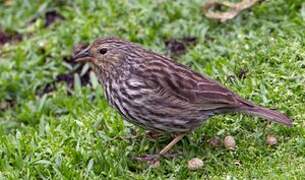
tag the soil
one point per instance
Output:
(242, 73)
(7, 37)
(68, 78)
(179, 46)
(52, 16)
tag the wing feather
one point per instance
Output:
(176, 81)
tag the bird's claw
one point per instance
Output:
(150, 158)
(153, 158)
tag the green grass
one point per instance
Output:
(75, 134)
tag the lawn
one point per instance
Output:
(56, 124)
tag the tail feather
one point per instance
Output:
(268, 114)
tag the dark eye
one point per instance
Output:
(103, 51)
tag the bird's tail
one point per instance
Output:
(269, 114)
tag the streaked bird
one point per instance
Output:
(156, 93)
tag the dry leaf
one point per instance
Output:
(235, 9)
(8, 2)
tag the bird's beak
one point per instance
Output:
(83, 56)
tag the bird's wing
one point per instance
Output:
(179, 83)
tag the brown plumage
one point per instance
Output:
(156, 93)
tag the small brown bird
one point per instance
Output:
(156, 93)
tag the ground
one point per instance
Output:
(55, 122)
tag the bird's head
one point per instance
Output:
(105, 53)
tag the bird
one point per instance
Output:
(156, 93)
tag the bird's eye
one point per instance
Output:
(103, 51)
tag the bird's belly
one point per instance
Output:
(156, 119)
(150, 114)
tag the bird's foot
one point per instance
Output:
(153, 158)
(149, 158)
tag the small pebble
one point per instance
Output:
(194, 164)
(271, 140)
(229, 142)
(215, 142)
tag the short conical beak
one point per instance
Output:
(83, 56)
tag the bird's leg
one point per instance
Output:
(155, 157)
(171, 144)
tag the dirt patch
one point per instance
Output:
(6, 37)
(179, 46)
(6, 104)
(68, 79)
(82, 70)
(52, 16)
(242, 73)
(209, 39)
(46, 89)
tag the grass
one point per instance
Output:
(73, 133)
